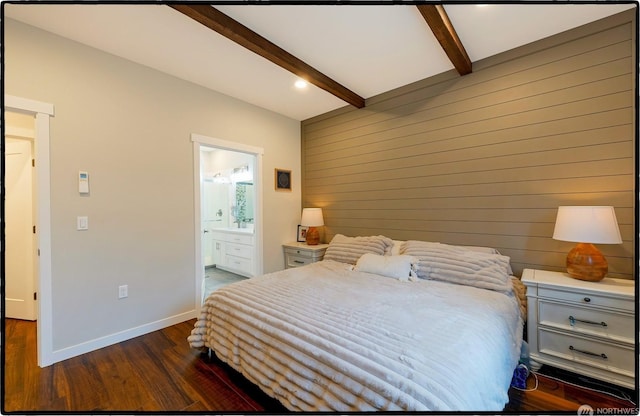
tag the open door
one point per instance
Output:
(20, 264)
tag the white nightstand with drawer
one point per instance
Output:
(299, 254)
(580, 326)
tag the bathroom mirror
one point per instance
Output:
(244, 202)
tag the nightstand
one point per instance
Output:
(584, 327)
(299, 254)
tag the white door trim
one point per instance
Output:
(42, 113)
(198, 141)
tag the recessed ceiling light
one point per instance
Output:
(301, 84)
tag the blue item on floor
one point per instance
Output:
(520, 374)
(519, 379)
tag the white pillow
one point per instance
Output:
(397, 267)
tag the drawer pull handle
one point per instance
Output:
(573, 321)
(593, 354)
(587, 300)
(298, 262)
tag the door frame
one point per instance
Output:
(42, 113)
(198, 142)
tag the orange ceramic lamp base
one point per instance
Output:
(586, 262)
(313, 236)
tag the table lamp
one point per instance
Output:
(586, 225)
(312, 218)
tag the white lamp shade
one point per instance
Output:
(587, 224)
(312, 217)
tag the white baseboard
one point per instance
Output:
(85, 347)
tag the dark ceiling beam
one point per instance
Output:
(242, 35)
(441, 26)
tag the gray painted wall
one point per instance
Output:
(129, 126)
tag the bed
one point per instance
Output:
(373, 327)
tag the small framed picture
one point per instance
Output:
(283, 180)
(302, 233)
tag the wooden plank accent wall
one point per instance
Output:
(487, 158)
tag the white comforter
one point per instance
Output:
(324, 338)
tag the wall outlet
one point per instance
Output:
(123, 291)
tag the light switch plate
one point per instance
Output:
(83, 223)
(123, 291)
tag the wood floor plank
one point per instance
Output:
(540, 400)
(159, 372)
(547, 394)
(151, 371)
(195, 379)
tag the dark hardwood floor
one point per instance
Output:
(154, 372)
(159, 372)
(552, 395)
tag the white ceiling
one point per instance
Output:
(368, 49)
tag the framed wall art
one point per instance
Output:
(283, 180)
(302, 233)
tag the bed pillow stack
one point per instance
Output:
(350, 249)
(458, 265)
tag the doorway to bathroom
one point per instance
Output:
(227, 210)
(229, 205)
